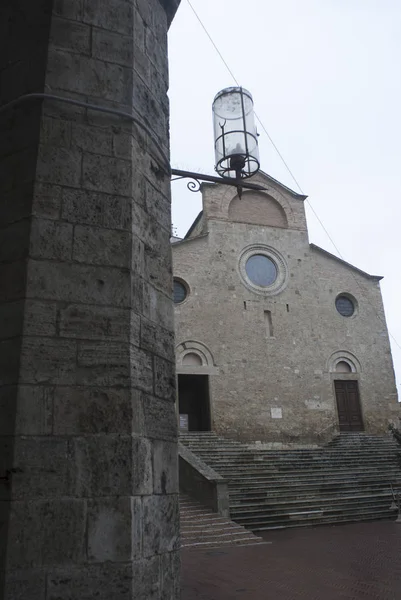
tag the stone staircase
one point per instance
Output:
(203, 528)
(348, 480)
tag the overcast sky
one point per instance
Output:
(326, 81)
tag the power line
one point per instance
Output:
(289, 170)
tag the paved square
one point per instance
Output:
(353, 562)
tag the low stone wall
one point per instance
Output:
(202, 483)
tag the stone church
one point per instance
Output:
(277, 340)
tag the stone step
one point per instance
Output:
(201, 527)
(316, 521)
(345, 481)
(319, 501)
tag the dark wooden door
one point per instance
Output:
(349, 407)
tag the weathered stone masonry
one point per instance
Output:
(88, 468)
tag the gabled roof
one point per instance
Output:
(345, 263)
(284, 187)
(268, 179)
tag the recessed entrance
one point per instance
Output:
(193, 400)
(349, 406)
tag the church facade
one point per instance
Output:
(277, 340)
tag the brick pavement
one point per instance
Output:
(350, 562)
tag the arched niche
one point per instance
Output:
(257, 208)
(194, 357)
(343, 362)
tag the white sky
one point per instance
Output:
(326, 81)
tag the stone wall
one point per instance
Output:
(274, 355)
(88, 456)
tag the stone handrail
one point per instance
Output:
(202, 483)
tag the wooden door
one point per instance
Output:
(349, 407)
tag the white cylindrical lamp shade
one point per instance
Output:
(236, 142)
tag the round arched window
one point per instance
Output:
(261, 270)
(180, 292)
(345, 306)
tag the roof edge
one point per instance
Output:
(197, 237)
(194, 224)
(347, 264)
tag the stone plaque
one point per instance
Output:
(277, 413)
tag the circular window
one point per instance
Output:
(261, 270)
(180, 292)
(345, 306)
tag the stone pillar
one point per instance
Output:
(88, 460)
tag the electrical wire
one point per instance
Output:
(291, 173)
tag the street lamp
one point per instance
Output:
(236, 142)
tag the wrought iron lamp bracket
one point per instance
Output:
(196, 178)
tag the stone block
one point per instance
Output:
(146, 579)
(59, 165)
(157, 306)
(145, 103)
(146, 228)
(137, 259)
(16, 204)
(98, 79)
(156, 50)
(77, 283)
(164, 378)
(55, 132)
(156, 339)
(9, 361)
(48, 360)
(142, 478)
(92, 139)
(14, 241)
(94, 208)
(136, 527)
(103, 363)
(47, 201)
(170, 565)
(103, 465)
(11, 319)
(98, 323)
(161, 523)
(70, 9)
(51, 239)
(115, 15)
(70, 35)
(44, 468)
(82, 410)
(139, 30)
(110, 175)
(141, 369)
(109, 530)
(26, 410)
(102, 581)
(158, 206)
(142, 65)
(40, 318)
(99, 246)
(23, 584)
(158, 271)
(137, 294)
(165, 467)
(160, 418)
(32, 528)
(112, 47)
